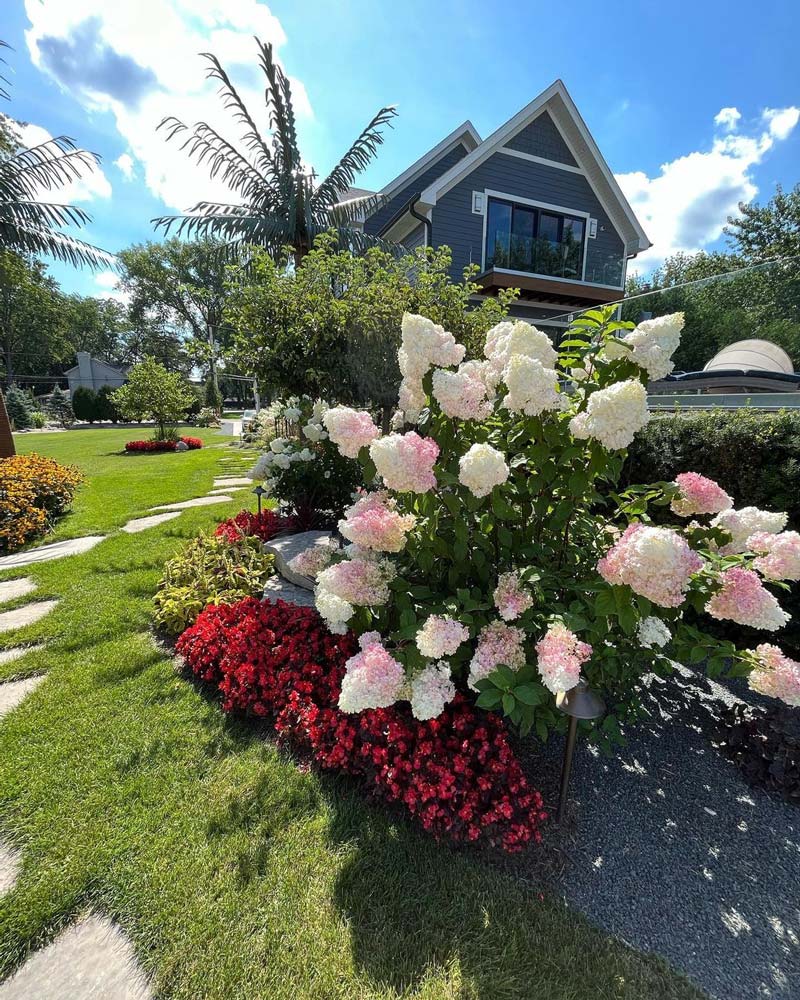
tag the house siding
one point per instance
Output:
(542, 138)
(416, 238)
(455, 225)
(376, 222)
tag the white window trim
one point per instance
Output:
(488, 193)
(541, 159)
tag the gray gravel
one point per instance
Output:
(676, 854)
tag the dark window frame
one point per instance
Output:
(538, 211)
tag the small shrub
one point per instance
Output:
(212, 570)
(764, 743)
(456, 775)
(85, 405)
(38, 419)
(34, 491)
(18, 406)
(265, 525)
(60, 407)
(190, 442)
(106, 410)
(207, 417)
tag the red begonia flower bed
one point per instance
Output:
(265, 525)
(456, 775)
(190, 443)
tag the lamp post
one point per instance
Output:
(580, 702)
(259, 492)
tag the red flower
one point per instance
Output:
(265, 525)
(457, 775)
(190, 442)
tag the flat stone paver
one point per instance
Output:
(232, 481)
(92, 960)
(143, 523)
(10, 864)
(228, 489)
(9, 655)
(278, 589)
(14, 692)
(12, 589)
(197, 502)
(285, 548)
(56, 550)
(26, 615)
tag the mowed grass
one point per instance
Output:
(237, 874)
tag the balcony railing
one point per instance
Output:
(538, 255)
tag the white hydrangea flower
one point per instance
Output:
(653, 632)
(481, 469)
(506, 339)
(261, 468)
(613, 415)
(292, 414)
(336, 611)
(746, 522)
(278, 445)
(431, 689)
(532, 388)
(651, 344)
(282, 461)
(315, 432)
(462, 394)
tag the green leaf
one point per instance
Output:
(529, 694)
(509, 703)
(489, 699)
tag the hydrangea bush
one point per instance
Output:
(493, 554)
(303, 468)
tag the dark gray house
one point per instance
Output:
(535, 205)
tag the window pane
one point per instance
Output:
(572, 247)
(498, 234)
(522, 239)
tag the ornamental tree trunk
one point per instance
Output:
(7, 447)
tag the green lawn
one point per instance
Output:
(237, 874)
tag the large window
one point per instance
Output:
(523, 238)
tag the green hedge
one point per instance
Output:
(753, 455)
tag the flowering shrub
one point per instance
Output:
(190, 443)
(494, 553)
(455, 774)
(211, 570)
(265, 525)
(34, 491)
(304, 468)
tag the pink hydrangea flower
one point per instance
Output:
(699, 495)
(350, 430)
(743, 599)
(775, 675)
(373, 678)
(405, 461)
(778, 554)
(497, 643)
(362, 582)
(431, 690)
(312, 560)
(510, 597)
(561, 654)
(441, 636)
(656, 563)
(374, 523)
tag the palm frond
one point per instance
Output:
(227, 223)
(205, 145)
(49, 165)
(346, 213)
(233, 102)
(42, 213)
(42, 240)
(355, 160)
(351, 238)
(3, 92)
(281, 113)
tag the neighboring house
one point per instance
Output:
(534, 205)
(92, 373)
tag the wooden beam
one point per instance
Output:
(584, 293)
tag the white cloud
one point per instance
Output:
(686, 205)
(106, 282)
(140, 62)
(728, 118)
(126, 166)
(92, 184)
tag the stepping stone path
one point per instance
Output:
(228, 489)
(143, 523)
(10, 864)
(12, 589)
(197, 502)
(57, 550)
(26, 615)
(232, 481)
(92, 960)
(13, 692)
(9, 655)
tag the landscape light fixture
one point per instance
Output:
(580, 702)
(259, 492)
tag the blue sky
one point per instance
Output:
(650, 80)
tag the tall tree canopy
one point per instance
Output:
(772, 230)
(277, 202)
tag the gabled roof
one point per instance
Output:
(466, 134)
(558, 103)
(112, 369)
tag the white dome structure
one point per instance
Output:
(751, 355)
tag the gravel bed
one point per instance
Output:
(675, 854)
